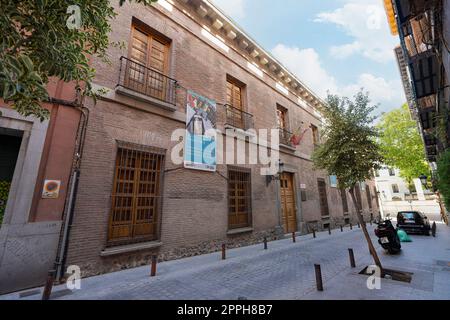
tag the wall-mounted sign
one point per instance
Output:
(303, 186)
(51, 189)
(201, 136)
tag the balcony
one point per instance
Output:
(237, 118)
(146, 84)
(286, 138)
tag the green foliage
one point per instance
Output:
(4, 191)
(401, 144)
(443, 171)
(37, 44)
(350, 150)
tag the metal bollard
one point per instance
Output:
(265, 243)
(314, 233)
(153, 268)
(351, 226)
(49, 285)
(352, 258)
(359, 225)
(224, 248)
(319, 282)
(293, 237)
(433, 229)
(329, 230)
(342, 228)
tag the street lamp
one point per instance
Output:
(270, 178)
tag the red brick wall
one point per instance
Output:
(194, 213)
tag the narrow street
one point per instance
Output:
(284, 271)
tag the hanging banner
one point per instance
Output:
(201, 136)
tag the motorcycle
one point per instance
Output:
(388, 237)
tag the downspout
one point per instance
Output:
(67, 223)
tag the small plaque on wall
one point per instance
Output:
(303, 186)
(51, 189)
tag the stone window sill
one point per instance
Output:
(238, 131)
(285, 146)
(141, 97)
(239, 231)
(326, 218)
(130, 248)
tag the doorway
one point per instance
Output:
(10, 141)
(288, 205)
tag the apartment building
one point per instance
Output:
(397, 195)
(134, 201)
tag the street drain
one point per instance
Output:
(391, 274)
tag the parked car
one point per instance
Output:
(413, 222)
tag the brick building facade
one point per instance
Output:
(133, 201)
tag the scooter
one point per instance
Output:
(388, 237)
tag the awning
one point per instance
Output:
(388, 7)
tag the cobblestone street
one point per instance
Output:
(284, 271)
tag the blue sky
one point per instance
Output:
(336, 45)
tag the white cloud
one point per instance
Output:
(389, 94)
(306, 64)
(366, 23)
(234, 8)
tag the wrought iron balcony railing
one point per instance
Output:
(141, 79)
(237, 118)
(286, 137)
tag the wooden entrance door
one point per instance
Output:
(288, 206)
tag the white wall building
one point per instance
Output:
(395, 195)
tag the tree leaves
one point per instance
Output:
(350, 150)
(401, 144)
(443, 172)
(36, 44)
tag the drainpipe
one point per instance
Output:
(67, 223)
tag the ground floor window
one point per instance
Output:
(239, 198)
(136, 197)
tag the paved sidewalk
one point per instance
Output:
(284, 271)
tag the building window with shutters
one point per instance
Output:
(239, 198)
(323, 197)
(136, 196)
(344, 200)
(316, 135)
(235, 108)
(369, 196)
(146, 68)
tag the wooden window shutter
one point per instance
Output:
(136, 196)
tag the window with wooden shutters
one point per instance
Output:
(136, 196)
(234, 94)
(369, 197)
(358, 195)
(315, 134)
(323, 197)
(148, 69)
(344, 200)
(239, 198)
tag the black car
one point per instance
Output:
(413, 222)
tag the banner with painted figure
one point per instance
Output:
(201, 136)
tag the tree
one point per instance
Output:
(443, 173)
(50, 38)
(349, 150)
(401, 144)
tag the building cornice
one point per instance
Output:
(217, 21)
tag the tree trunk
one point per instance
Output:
(364, 228)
